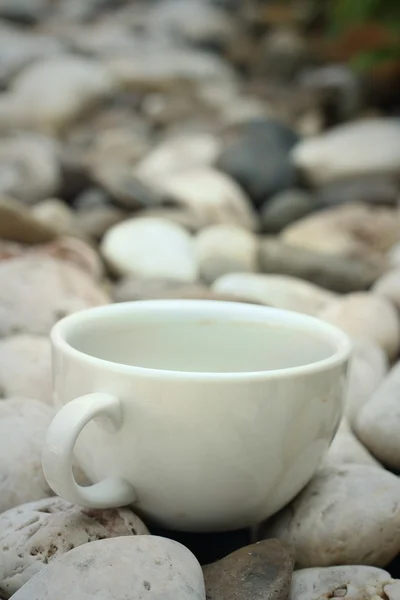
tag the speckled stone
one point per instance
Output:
(35, 534)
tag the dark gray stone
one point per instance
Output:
(261, 571)
(257, 156)
(23, 11)
(370, 189)
(128, 191)
(286, 207)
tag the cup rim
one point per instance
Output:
(333, 334)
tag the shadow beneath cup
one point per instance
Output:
(209, 547)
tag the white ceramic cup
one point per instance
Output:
(204, 415)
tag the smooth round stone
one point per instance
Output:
(160, 66)
(310, 123)
(131, 289)
(282, 53)
(118, 142)
(388, 286)
(346, 449)
(178, 153)
(37, 533)
(17, 224)
(90, 198)
(378, 421)
(351, 582)
(345, 515)
(57, 216)
(76, 11)
(231, 104)
(184, 217)
(371, 189)
(210, 195)
(370, 146)
(23, 427)
(63, 87)
(124, 188)
(29, 167)
(257, 157)
(241, 109)
(143, 567)
(261, 571)
(280, 291)
(36, 291)
(150, 247)
(96, 36)
(284, 208)
(18, 48)
(95, 221)
(320, 233)
(193, 21)
(223, 249)
(366, 316)
(353, 231)
(25, 367)
(329, 271)
(368, 367)
(76, 252)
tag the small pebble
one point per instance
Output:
(17, 224)
(257, 157)
(223, 249)
(178, 153)
(150, 248)
(351, 230)
(370, 146)
(286, 207)
(335, 273)
(371, 189)
(30, 169)
(211, 195)
(63, 87)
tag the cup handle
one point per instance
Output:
(57, 455)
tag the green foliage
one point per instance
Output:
(346, 15)
(349, 13)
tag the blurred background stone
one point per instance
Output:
(220, 150)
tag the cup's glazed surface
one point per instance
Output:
(204, 415)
